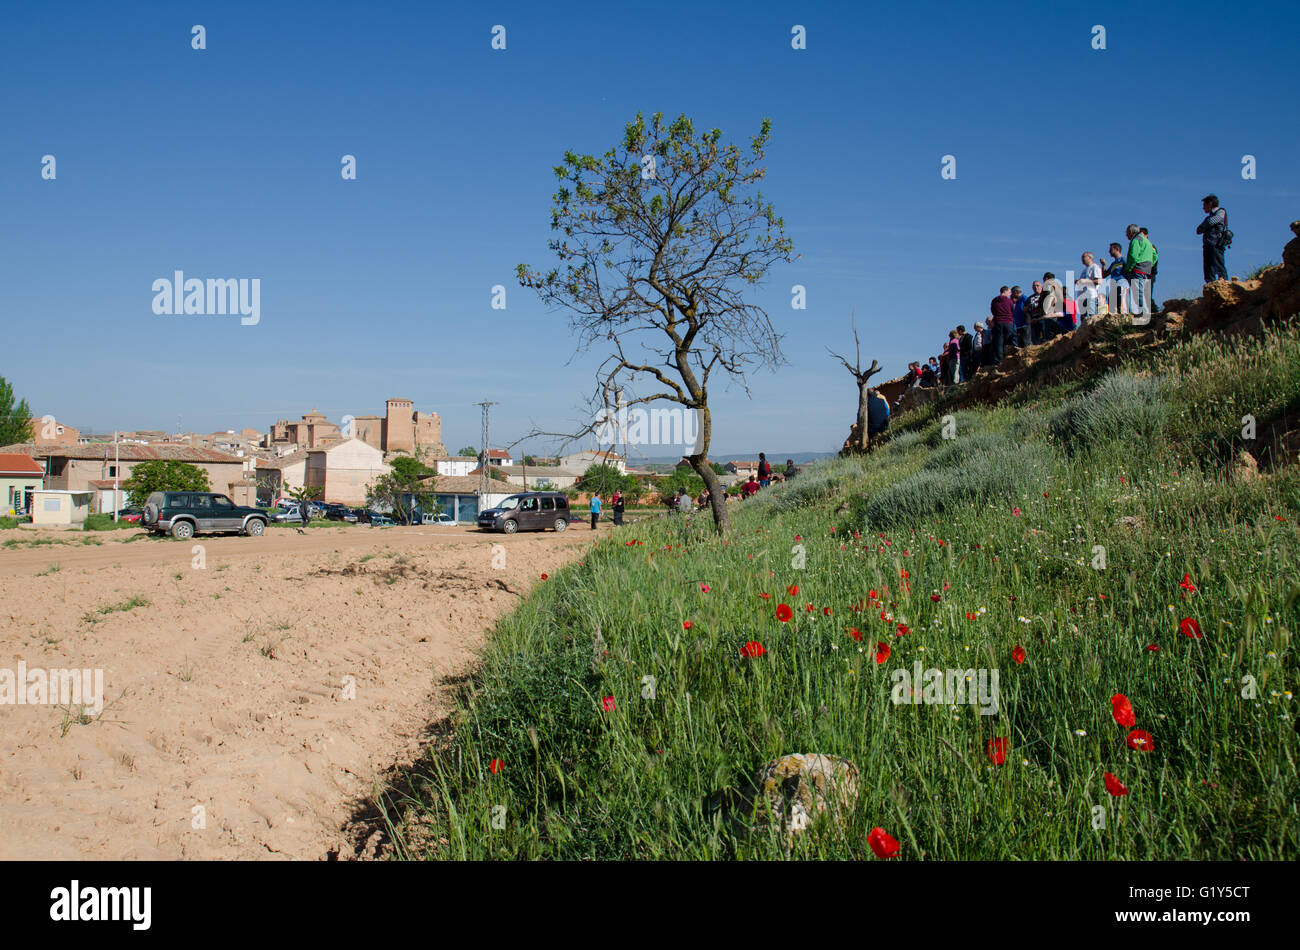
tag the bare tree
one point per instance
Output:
(658, 241)
(858, 434)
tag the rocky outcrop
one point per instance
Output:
(1225, 306)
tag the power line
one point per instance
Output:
(483, 453)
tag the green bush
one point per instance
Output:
(1122, 408)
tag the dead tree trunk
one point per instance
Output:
(857, 440)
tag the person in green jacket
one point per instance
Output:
(1138, 265)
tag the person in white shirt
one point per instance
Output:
(1088, 287)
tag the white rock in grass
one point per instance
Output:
(794, 791)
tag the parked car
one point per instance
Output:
(441, 518)
(379, 520)
(527, 511)
(129, 514)
(183, 514)
(337, 512)
(290, 513)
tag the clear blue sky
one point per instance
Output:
(225, 163)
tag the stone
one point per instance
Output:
(794, 791)
(1246, 469)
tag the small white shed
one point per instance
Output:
(59, 506)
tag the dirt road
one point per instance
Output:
(253, 687)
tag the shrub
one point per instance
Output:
(1121, 408)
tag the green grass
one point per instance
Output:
(104, 522)
(99, 613)
(1062, 524)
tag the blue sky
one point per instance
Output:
(225, 163)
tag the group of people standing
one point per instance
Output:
(1125, 284)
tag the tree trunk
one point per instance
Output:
(699, 462)
(864, 400)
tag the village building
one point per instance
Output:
(580, 461)
(58, 507)
(20, 476)
(73, 468)
(344, 471)
(51, 432)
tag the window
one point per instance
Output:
(529, 504)
(548, 504)
(561, 503)
(200, 501)
(221, 501)
(112, 471)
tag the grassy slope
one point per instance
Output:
(1002, 524)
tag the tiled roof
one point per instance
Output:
(468, 485)
(18, 463)
(283, 461)
(126, 451)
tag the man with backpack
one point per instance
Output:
(1155, 268)
(1215, 239)
(1137, 268)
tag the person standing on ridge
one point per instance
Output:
(764, 470)
(1155, 268)
(1213, 230)
(1137, 267)
(595, 510)
(1003, 309)
(618, 505)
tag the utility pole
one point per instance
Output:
(117, 470)
(483, 453)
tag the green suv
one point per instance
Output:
(183, 514)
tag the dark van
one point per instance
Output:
(527, 511)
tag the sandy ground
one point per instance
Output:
(228, 690)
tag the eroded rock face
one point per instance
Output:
(794, 791)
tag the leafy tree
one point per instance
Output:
(408, 485)
(469, 450)
(654, 262)
(15, 419)
(605, 479)
(530, 460)
(163, 475)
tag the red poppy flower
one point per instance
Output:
(855, 633)
(1122, 710)
(1018, 654)
(971, 616)
(997, 750)
(784, 613)
(792, 590)
(1044, 494)
(766, 596)
(1114, 786)
(1122, 480)
(705, 588)
(1278, 518)
(1187, 584)
(882, 843)
(608, 704)
(936, 598)
(752, 649)
(904, 574)
(495, 766)
(882, 651)
(1141, 740)
(872, 595)
(902, 630)
(1190, 628)
(1016, 512)
(543, 577)
(686, 625)
(809, 607)
(1153, 648)
(798, 538)
(826, 611)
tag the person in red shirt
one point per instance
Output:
(750, 487)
